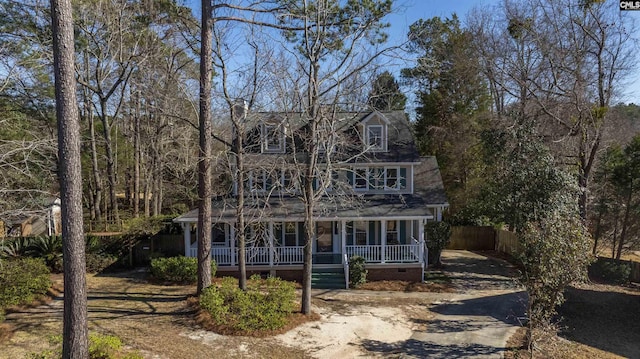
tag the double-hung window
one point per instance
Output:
(290, 234)
(392, 233)
(391, 178)
(272, 138)
(361, 180)
(375, 137)
(360, 232)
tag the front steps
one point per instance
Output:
(328, 278)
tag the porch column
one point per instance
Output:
(271, 249)
(343, 230)
(187, 239)
(233, 243)
(421, 241)
(383, 240)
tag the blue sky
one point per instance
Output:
(406, 12)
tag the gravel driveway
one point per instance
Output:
(478, 321)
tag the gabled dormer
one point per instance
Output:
(273, 136)
(375, 132)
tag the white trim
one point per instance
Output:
(323, 219)
(270, 234)
(368, 138)
(187, 239)
(383, 240)
(233, 244)
(266, 146)
(377, 114)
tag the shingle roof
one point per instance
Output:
(292, 208)
(427, 182)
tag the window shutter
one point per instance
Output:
(372, 233)
(403, 233)
(350, 177)
(301, 233)
(403, 178)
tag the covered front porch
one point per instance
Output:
(387, 241)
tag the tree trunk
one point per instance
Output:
(625, 223)
(241, 232)
(307, 268)
(147, 194)
(204, 153)
(75, 343)
(136, 159)
(95, 169)
(111, 171)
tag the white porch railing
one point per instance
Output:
(397, 253)
(369, 253)
(402, 253)
(255, 255)
(222, 255)
(288, 255)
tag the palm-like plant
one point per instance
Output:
(15, 248)
(49, 249)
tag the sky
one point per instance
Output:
(406, 12)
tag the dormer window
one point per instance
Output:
(376, 139)
(272, 138)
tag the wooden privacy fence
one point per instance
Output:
(472, 238)
(483, 238)
(507, 242)
(635, 272)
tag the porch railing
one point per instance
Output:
(255, 255)
(288, 255)
(397, 253)
(222, 255)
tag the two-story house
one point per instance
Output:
(374, 202)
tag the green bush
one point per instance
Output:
(357, 271)
(100, 347)
(438, 235)
(21, 280)
(611, 270)
(49, 249)
(15, 247)
(177, 269)
(97, 262)
(265, 304)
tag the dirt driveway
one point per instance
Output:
(156, 320)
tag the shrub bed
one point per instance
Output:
(177, 269)
(100, 347)
(21, 280)
(357, 271)
(97, 262)
(265, 305)
(611, 270)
